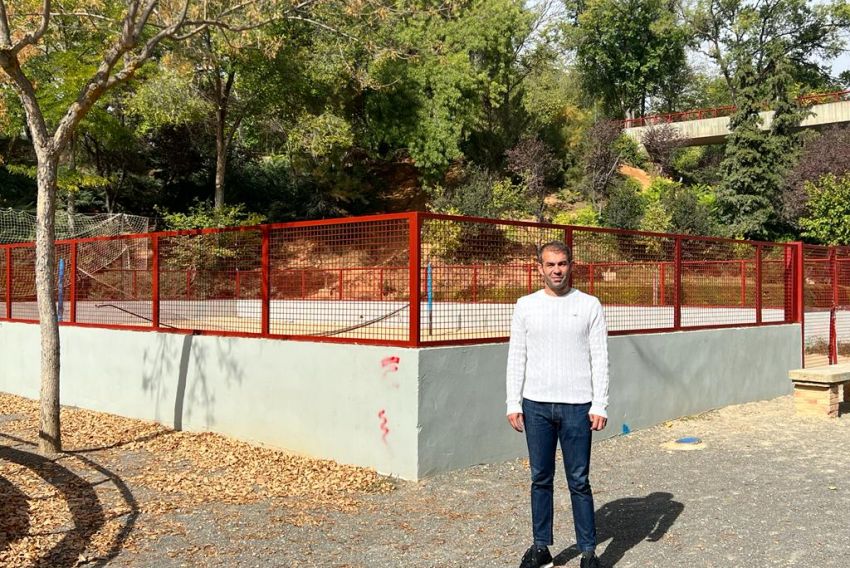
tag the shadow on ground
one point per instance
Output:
(628, 522)
(79, 495)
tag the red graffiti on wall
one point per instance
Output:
(383, 416)
(390, 365)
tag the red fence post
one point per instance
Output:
(568, 240)
(73, 277)
(238, 285)
(833, 275)
(381, 283)
(798, 284)
(155, 281)
(303, 283)
(797, 294)
(677, 284)
(833, 335)
(8, 282)
(758, 284)
(474, 283)
(265, 283)
(414, 275)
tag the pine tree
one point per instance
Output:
(756, 160)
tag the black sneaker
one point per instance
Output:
(590, 561)
(536, 557)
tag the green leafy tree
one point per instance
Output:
(828, 218)
(758, 160)
(629, 51)
(480, 193)
(824, 153)
(738, 33)
(127, 35)
(625, 206)
(691, 209)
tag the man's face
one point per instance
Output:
(555, 270)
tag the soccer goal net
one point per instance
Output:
(19, 226)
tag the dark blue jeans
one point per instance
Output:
(546, 424)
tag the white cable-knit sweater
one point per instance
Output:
(558, 351)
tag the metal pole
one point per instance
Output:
(568, 239)
(677, 285)
(798, 295)
(414, 276)
(833, 335)
(60, 291)
(73, 277)
(155, 281)
(8, 282)
(265, 287)
(430, 285)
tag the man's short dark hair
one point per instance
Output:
(556, 246)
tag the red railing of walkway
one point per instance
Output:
(716, 112)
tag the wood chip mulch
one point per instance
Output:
(120, 482)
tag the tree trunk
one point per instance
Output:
(50, 440)
(222, 140)
(220, 162)
(72, 197)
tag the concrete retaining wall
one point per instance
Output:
(406, 412)
(654, 378)
(316, 399)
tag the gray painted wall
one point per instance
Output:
(444, 407)
(654, 377)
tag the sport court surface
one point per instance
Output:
(768, 489)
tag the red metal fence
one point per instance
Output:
(404, 279)
(826, 284)
(728, 110)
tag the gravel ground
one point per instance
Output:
(767, 488)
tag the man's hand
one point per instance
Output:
(597, 422)
(516, 421)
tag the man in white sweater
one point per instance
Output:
(557, 387)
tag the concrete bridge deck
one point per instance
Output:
(714, 130)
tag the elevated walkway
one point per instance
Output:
(711, 126)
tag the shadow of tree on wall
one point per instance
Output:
(183, 371)
(78, 494)
(627, 522)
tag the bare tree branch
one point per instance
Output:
(324, 26)
(103, 79)
(38, 128)
(33, 38)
